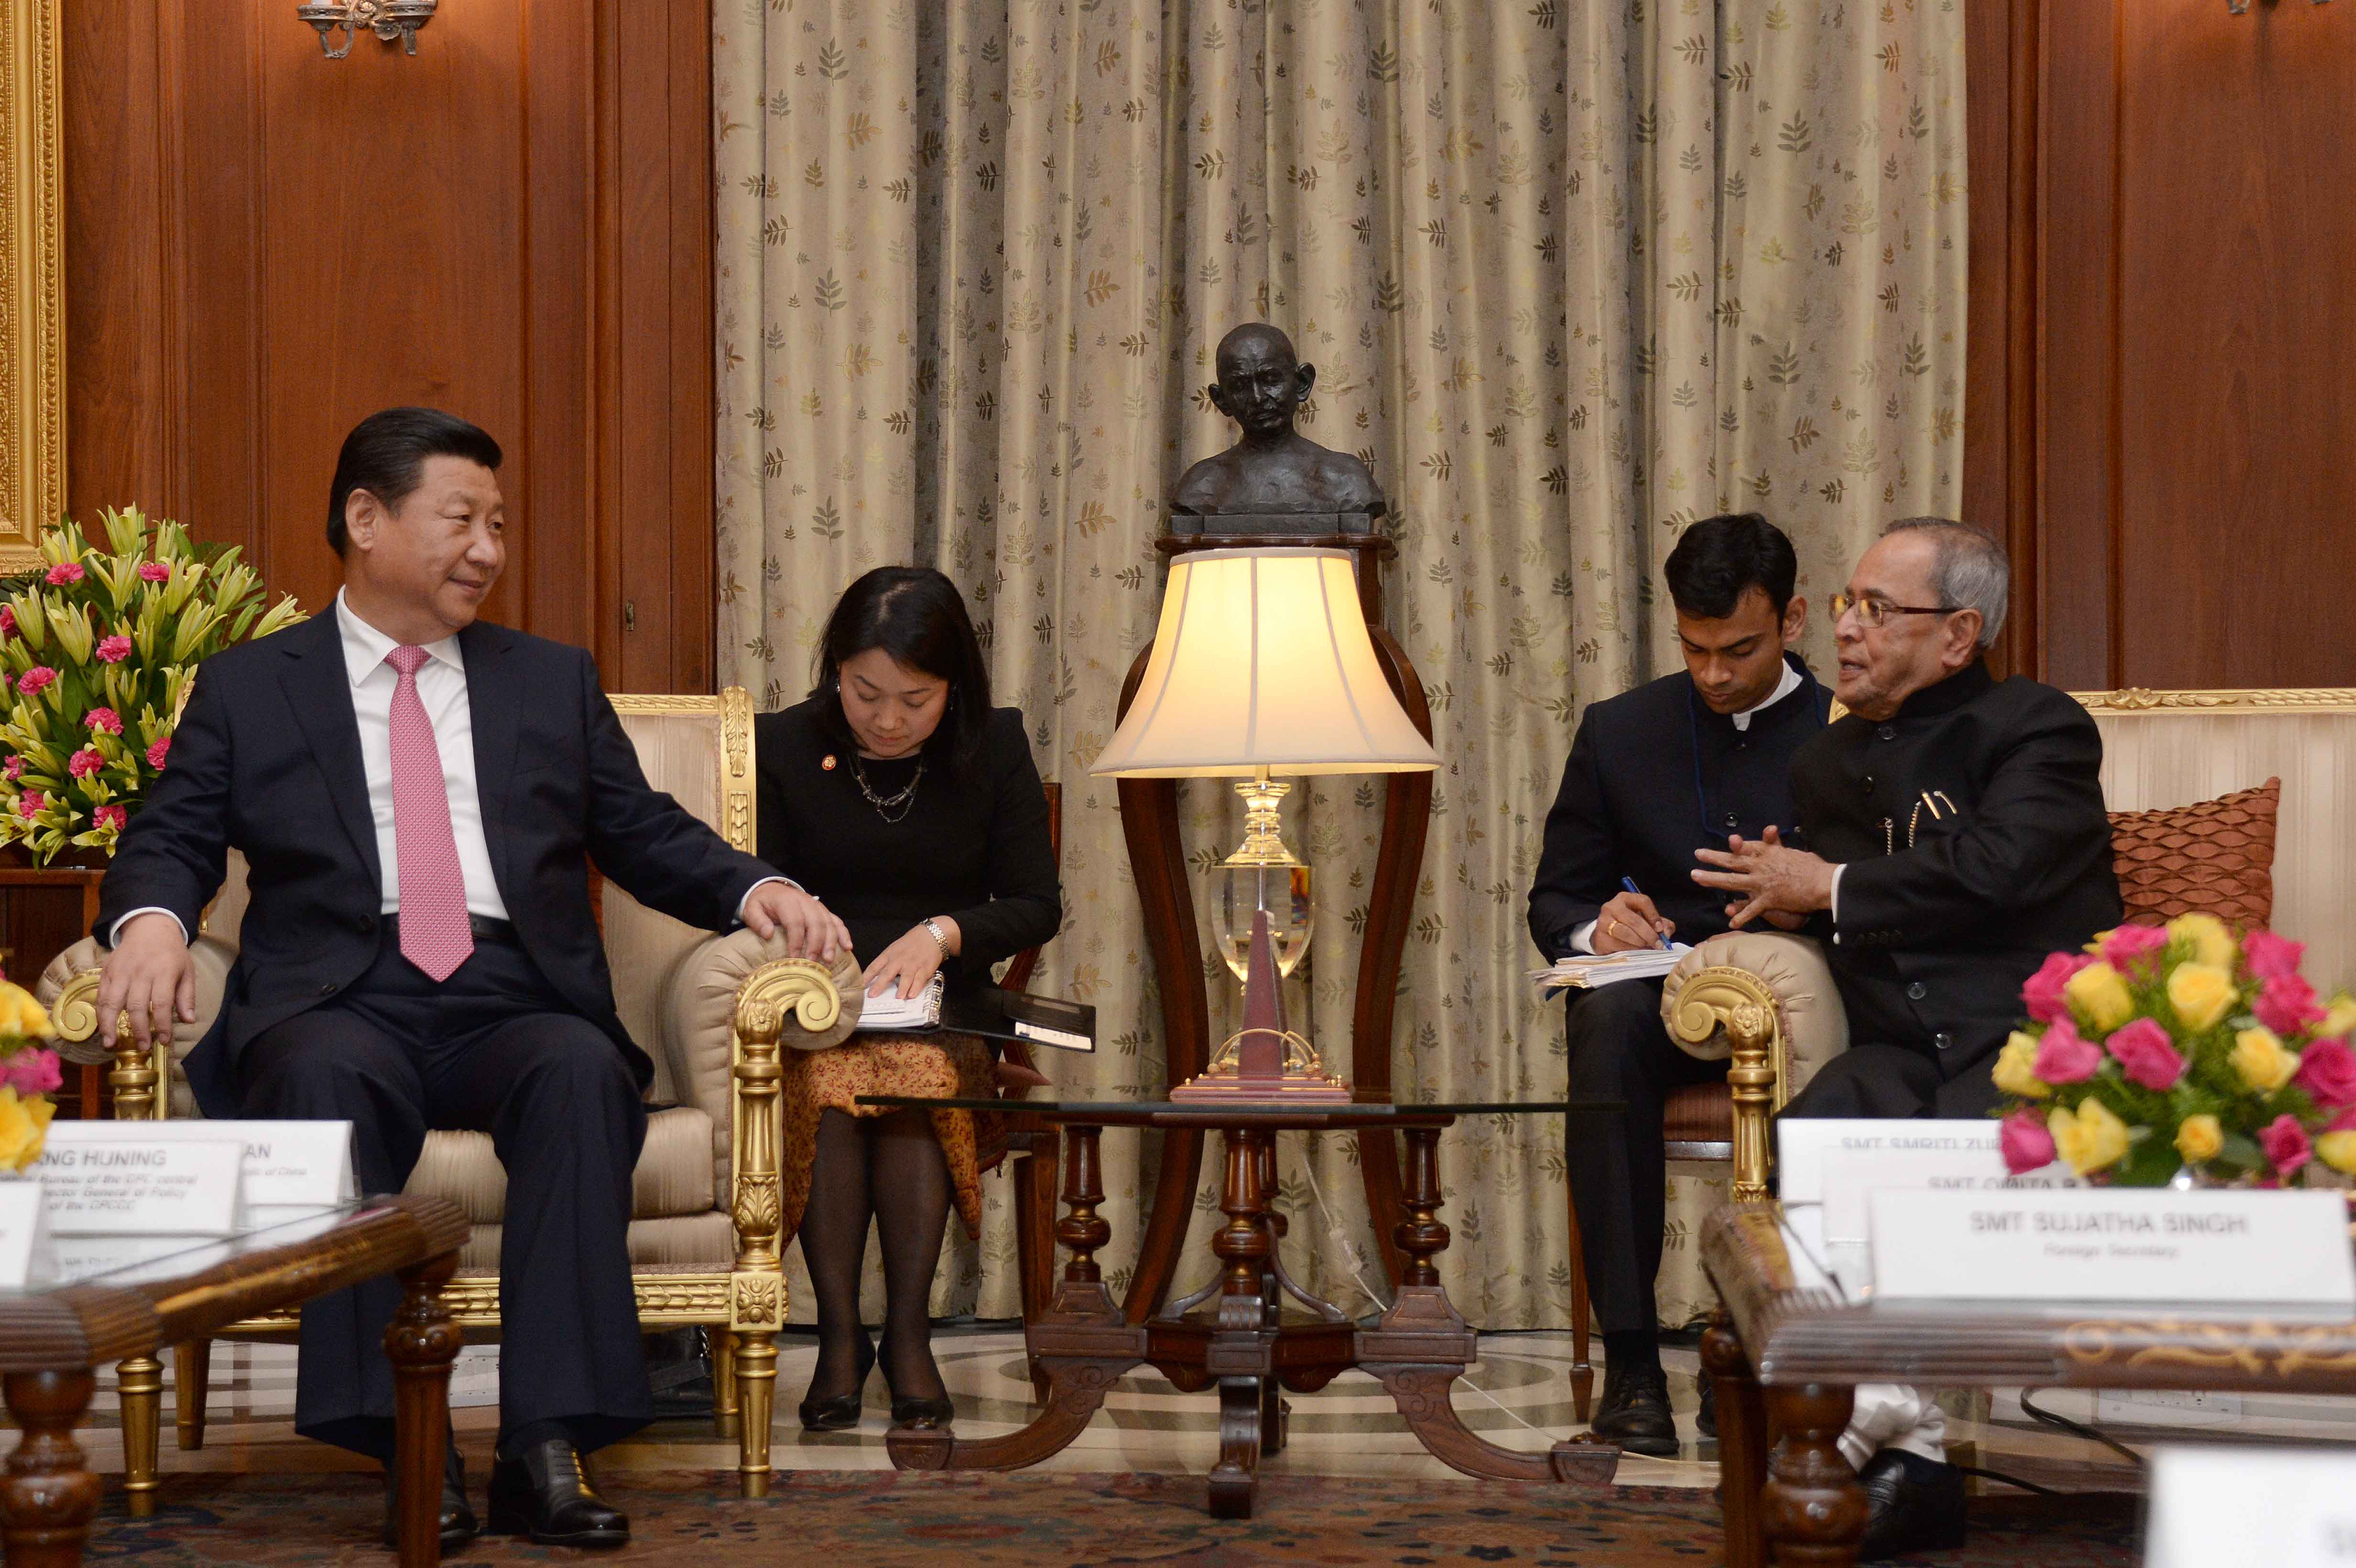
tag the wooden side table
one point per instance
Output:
(1235, 1332)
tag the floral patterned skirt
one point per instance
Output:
(939, 1066)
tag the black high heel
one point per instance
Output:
(841, 1412)
(918, 1413)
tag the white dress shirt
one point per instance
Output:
(1583, 939)
(441, 688)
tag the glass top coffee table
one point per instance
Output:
(1235, 1331)
(121, 1299)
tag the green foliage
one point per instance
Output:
(99, 649)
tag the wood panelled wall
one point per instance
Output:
(265, 245)
(2163, 335)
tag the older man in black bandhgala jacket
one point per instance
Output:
(1655, 774)
(1955, 837)
(418, 795)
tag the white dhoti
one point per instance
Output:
(1894, 1415)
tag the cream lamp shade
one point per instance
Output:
(1262, 660)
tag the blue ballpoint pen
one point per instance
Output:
(1630, 883)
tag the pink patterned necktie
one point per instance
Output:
(434, 934)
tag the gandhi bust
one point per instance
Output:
(1274, 471)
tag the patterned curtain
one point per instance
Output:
(1573, 272)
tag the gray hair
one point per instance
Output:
(1970, 571)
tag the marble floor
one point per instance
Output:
(1518, 1396)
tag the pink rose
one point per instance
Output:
(34, 679)
(65, 572)
(154, 571)
(2063, 1058)
(104, 720)
(2130, 943)
(114, 649)
(85, 764)
(2271, 958)
(2148, 1056)
(8, 622)
(2327, 1071)
(155, 752)
(2041, 994)
(2286, 1005)
(34, 1072)
(14, 770)
(2345, 1121)
(29, 802)
(2286, 1144)
(109, 816)
(2027, 1145)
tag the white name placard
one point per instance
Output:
(1802, 1147)
(1852, 1175)
(155, 1187)
(2286, 1508)
(2094, 1244)
(27, 1256)
(307, 1163)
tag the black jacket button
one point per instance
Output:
(367, 923)
(1888, 732)
(1943, 1039)
(1917, 991)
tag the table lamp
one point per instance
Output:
(1261, 668)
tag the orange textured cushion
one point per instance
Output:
(2215, 855)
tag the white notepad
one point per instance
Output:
(892, 1011)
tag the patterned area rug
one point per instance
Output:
(682, 1521)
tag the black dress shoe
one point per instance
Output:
(546, 1495)
(838, 1412)
(1912, 1504)
(456, 1519)
(923, 1412)
(1635, 1411)
(1705, 1418)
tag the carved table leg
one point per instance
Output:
(1239, 1352)
(1741, 1442)
(1423, 1345)
(421, 1342)
(192, 1370)
(1083, 1342)
(1813, 1507)
(724, 1381)
(140, 1380)
(50, 1495)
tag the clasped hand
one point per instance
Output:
(1769, 878)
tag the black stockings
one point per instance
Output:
(890, 1168)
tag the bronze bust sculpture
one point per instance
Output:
(1274, 480)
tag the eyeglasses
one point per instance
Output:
(1871, 614)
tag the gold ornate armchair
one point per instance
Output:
(713, 1012)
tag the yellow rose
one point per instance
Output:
(2091, 1139)
(2212, 943)
(2201, 994)
(2016, 1068)
(2260, 1059)
(2200, 1138)
(2339, 1021)
(2337, 1150)
(24, 1125)
(20, 1015)
(2100, 993)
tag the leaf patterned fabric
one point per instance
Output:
(1573, 274)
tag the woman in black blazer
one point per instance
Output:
(900, 798)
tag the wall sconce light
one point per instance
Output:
(388, 19)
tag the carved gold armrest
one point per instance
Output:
(135, 1074)
(1739, 1002)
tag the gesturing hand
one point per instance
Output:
(1630, 920)
(1766, 877)
(810, 929)
(911, 962)
(151, 977)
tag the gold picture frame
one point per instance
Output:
(32, 281)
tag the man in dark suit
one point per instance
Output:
(1655, 774)
(1956, 838)
(418, 795)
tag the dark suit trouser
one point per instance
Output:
(1619, 1165)
(490, 1050)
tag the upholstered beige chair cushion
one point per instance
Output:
(1809, 1007)
(699, 1244)
(674, 1175)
